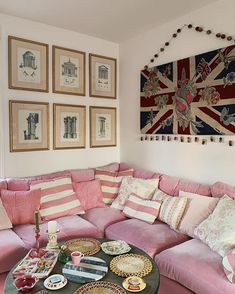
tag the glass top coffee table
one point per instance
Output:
(151, 280)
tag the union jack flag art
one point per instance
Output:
(191, 96)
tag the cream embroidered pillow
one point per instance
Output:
(140, 187)
(218, 230)
(172, 208)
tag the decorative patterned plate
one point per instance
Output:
(55, 282)
(134, 284)
(100, 288)
(115, 247)
(88, 246)
(90, 269)
(131, 264)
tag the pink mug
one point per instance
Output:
(76, 257)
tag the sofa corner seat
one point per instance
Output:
(150, 238)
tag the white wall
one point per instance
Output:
(37, 162)
(192, 161)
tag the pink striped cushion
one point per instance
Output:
(58, 198)
(110, 182)
(229, 266)
(145, 210)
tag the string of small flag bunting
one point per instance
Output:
(178, 138)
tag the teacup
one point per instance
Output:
(76, 257)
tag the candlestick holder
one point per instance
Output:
(52, 240)
(37, 252)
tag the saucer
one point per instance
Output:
(55, 282)
(134, 284)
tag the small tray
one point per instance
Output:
(115, 247)
(88, 246)
(131, 264)
(100, 287)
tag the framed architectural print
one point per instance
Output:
(102, 126)
(68, 71)
(102, 76)
(69, 124)
(29, 125)
(27, 65)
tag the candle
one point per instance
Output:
(52, 227)
(36, 220)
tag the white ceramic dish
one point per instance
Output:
(55, 282)
(115, 247)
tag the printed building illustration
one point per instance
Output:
(70, 125)
(103, 72)
(33, 120)
(69, 69)
(29, 60)
(101, 122)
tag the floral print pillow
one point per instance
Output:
(218, 230)
(140, 187)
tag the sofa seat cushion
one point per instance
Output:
(194, 265)
(104, 217)
(12, 250)
(70, 227)
(150, 238)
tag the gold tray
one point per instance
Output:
(88, 246)
(131, 264)
(100, 288)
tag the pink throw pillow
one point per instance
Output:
(21, 205)
(5, 222)
(89, 194)
(219, 189)
(142, 209)
(112, 167)
(18, 184)
(229, 266)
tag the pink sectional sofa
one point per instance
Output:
(186, 265)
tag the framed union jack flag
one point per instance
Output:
(191, 96)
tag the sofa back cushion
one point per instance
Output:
(172, 208)
(198, 208)
(82, 175)
(5, 222)
(138, 172)
(219, 189)
(15, 184)
(110, 183)
(140, 187)
(58, 198)
(172, 186)
(113, 167)
(89, 194)
(21, 205)
(142, 209)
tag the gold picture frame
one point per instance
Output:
(28, 125)
(102, 76)
(69, 126)
(27, 65)
(103, 126)
(68, 71)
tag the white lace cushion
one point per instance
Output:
(140, 187)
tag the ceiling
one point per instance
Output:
(114, 20)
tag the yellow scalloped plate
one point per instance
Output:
(134, 284)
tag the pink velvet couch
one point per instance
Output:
(186, 265)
